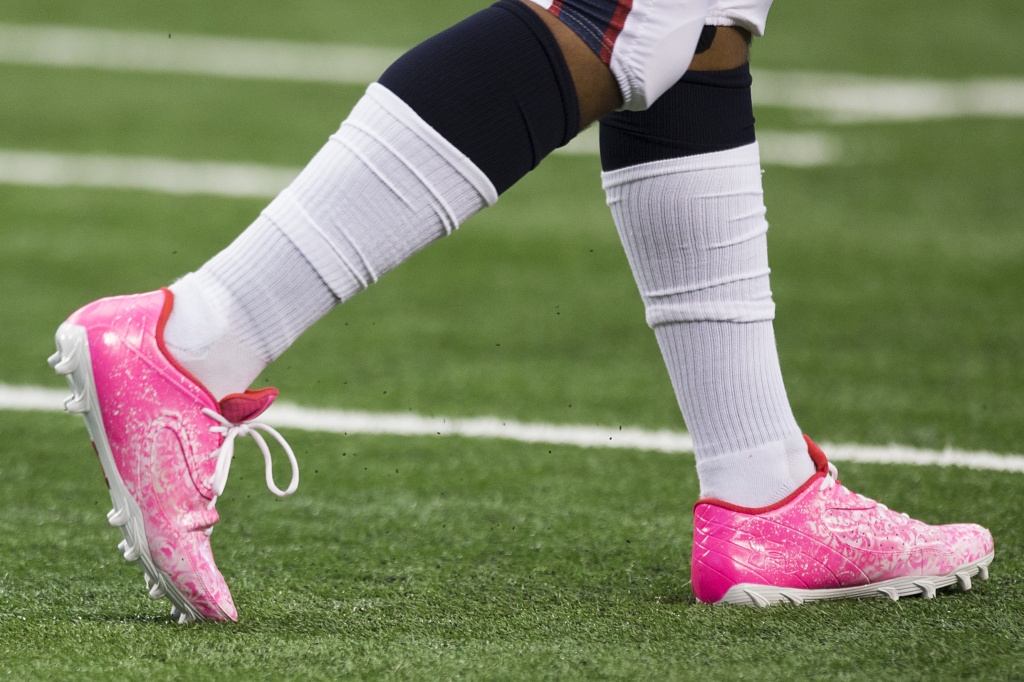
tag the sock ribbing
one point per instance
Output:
(383, 187)
(695, 235)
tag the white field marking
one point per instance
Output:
(285, 415)
(67, 46)
(839, 97)
(849, 98)
(159, 175)
(216, 178)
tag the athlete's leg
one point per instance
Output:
(450, 125)
(684, 184)
(161, 378)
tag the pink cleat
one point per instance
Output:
(164, 442)
(825, 542)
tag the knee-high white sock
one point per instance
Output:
(695, 234)
(382, 188)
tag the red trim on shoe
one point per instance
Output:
(821, 466)
(243, 407)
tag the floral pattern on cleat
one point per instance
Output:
(825, 542)
(165, 445)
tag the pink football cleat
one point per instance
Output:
(825, 542)
(164, 442)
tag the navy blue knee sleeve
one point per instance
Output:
(706, 111)
(496, 86)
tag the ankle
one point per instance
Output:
(199, 337)
(756, 477)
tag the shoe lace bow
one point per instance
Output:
(231, 430)
(832, 478)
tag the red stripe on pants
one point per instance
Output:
(614, 29)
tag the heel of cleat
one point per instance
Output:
(70, 340)
(71, 357)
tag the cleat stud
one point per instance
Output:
(175, 612)
(983, 572)
(130, 553)
(963, 581)
(793, 599)
(65, 365)
(77, 404)
(117, 517)
(183, 618)
(156, 592)
(890, 592)
(756, 598)
(53, 360)
(927, 589)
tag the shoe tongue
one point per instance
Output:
(242, 407)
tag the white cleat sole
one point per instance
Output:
(749, 594)
(72, 360)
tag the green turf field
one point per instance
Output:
(899, 279)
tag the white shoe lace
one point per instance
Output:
(832, 478)
(226, 452)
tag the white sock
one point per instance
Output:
(382, 188)
(695, 235)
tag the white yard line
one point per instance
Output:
(838, 97)
(74, 47)
(285, 415)
(47, 169)
(849, 98)
(216, 178)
